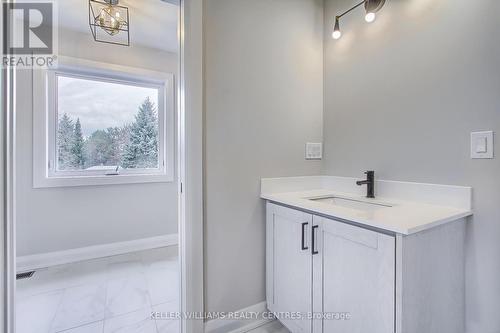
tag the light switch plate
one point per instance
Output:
(314, 151)
(481, 144)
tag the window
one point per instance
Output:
(104, 127)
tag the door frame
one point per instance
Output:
(7, 228)
(191, 162)
(190, 150)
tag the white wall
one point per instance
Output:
(64, 218)
(402, 96)
(263, 91)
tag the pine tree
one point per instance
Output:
(78, 158)
(142, 149)
(65, 135)
(118, 139)
(97, 148)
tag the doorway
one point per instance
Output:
(66, 270)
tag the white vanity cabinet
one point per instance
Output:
(360, 280)
(355, 269)
(290, 287)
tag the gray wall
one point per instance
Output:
(402, 96)
(56, 219)
(263, 90)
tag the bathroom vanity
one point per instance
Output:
(349, 264)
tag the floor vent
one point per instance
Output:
(26, 275)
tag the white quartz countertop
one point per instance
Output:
(404, 216)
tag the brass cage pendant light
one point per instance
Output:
(109, 22)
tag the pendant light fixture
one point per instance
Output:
(371, 8)
(109, 22)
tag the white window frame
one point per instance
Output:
(45, 120)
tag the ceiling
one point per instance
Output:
(153, 23)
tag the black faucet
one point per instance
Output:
(370, 182)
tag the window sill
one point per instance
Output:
(48, 182)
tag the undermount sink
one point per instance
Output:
(364, 206)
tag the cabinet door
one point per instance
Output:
(289, 266)
(356, 269)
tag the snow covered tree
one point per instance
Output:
(118, 139)
(65, 135)
(97, 148)
(105, 147)
(142, 149)
(78, 157)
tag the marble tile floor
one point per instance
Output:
(273, 327)
(108, 295)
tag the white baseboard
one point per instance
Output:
(44, 260)
(238, 326)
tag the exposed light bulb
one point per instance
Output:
(336, 29)
(109, 20)
(370, 17)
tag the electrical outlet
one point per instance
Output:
(314, 151)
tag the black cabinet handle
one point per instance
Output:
(314, 239)
(304, 247)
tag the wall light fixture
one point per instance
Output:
(371, 8)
